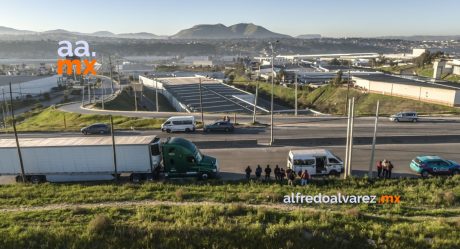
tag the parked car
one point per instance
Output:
(404, 117)
(96, 129)
(434, 165)
(220, 126)
(179, 123)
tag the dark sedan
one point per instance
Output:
(219, 126)
(96, 129)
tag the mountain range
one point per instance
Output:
(203, 31)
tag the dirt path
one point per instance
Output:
(121, 204)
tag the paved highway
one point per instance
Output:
(233, 161)
(311, 128)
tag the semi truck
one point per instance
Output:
(92, 158)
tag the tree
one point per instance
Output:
(231, 78)
(338, 78)
(335, 62)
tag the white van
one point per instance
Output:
(315, 161)
(179, 123)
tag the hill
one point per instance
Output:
(10, 31)
(220, 31)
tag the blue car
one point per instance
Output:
(434, 165)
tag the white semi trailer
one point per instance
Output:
(80, 158)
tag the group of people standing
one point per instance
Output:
(280, 174)
(384, 168)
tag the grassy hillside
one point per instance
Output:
(333, 100)
(51, 119)
(284, 95)
(123, 102)
(229, 215)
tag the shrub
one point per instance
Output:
(99, 224)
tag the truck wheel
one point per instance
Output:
(36, 179)
(204, 176)
(85, 132)
(414, 120)
(101, 132)
(334, 173)
(424, 174)
(135, 178)
(168, 130)
(227, 130)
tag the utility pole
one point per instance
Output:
(273, 90)
(16, 137)
(4, 108)
(65, 122)
(135, 98)
(111, 79)
(255, 102)
(4, 117)
(83, 95)
(103, 93)
(113, 149)
(296, 96)
(89, 93)
(347, 147)
(20, 91)
(374, 140)
(350, 151)
(201, 104)
(348, 84)
(156, 95)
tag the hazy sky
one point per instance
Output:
(293, 17)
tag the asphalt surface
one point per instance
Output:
(233, 161)
(316, 127)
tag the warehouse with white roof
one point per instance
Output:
(444, 93)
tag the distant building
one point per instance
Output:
(439, 93)
(445, 66)
(416, 52)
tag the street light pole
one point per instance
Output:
(295, 81)
(273, 89)
(374, 140)
(21, 162)
(201, 104)
(255, 97)
(156, 95)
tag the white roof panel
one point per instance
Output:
(76, 141)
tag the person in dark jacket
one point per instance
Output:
(291, 177)
(268, 171)
(258, 172)
(277, 173)
(282, 174)
(379, 169)
(390, 168)
(248, 172)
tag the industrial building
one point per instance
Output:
(439, 93)
(184, 95)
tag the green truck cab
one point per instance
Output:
(182, 158)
